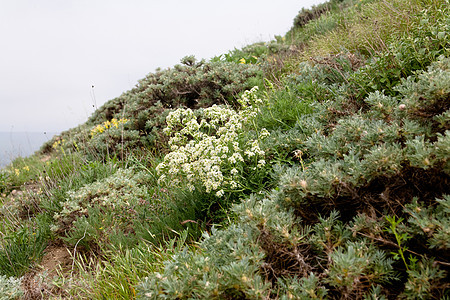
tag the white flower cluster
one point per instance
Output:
(207, 147)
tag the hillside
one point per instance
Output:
(314, 166)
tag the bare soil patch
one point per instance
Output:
(37, 284)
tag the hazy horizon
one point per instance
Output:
(20, 144)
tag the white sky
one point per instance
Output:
(53, 51)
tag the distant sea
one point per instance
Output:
(20, 144)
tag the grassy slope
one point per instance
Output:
(351, 200)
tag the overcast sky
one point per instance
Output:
(53, 51)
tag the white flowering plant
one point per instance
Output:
(209, 149)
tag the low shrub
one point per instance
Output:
(220, 275)
(95, 214)
(10, 288)
(374, 148)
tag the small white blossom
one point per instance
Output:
(261, 163)
(264, 133)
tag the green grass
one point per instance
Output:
(371, 28)
(116, 275)
(20, 171)
(286, 106)
(19, 250)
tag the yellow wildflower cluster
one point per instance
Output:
(58, 143)
(17, 171)
(59, 146)
(106, 125)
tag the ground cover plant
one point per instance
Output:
(314, 166)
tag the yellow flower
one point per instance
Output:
(26, 168)
(242, 61)
(115, 123)
(107, 124)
